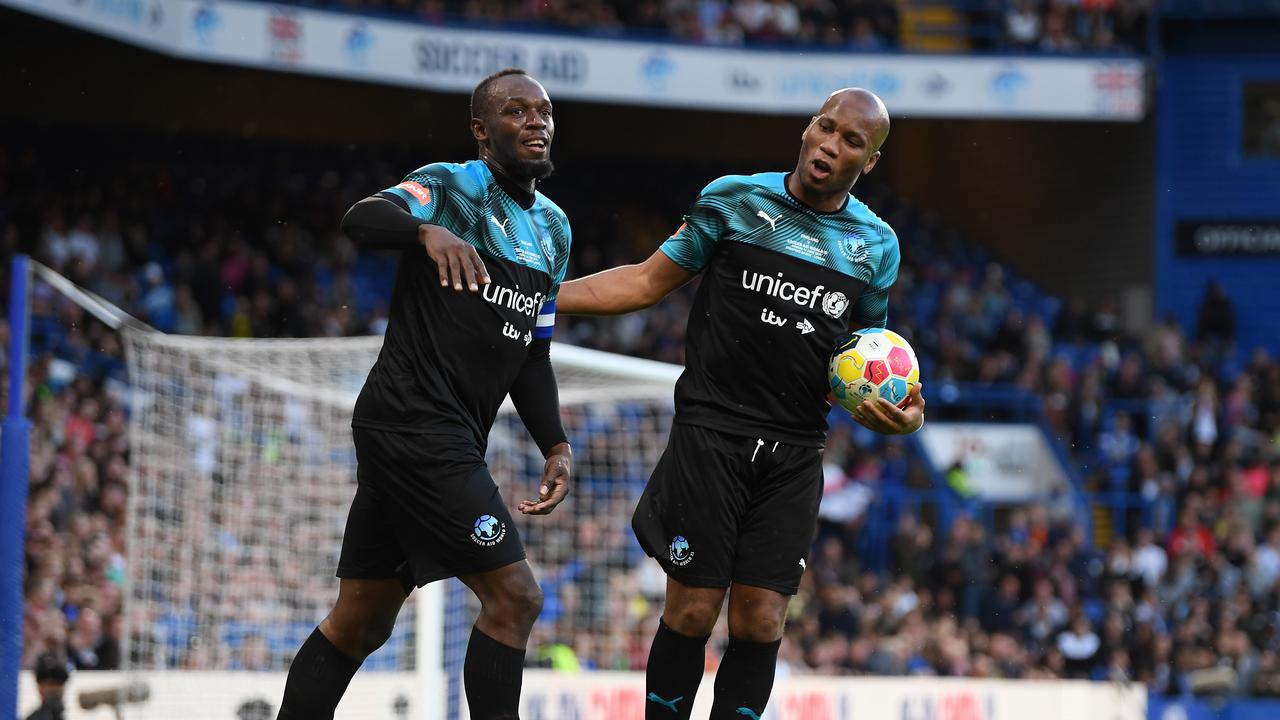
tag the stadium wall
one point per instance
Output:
(1067, 204)
(1205, 178)
(549, 695)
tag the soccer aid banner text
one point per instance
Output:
(293, 39)
(621, 696)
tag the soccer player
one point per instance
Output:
(791, 261)
(482, 254)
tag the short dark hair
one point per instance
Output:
(480, 96)
(51, 668)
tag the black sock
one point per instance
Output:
(673, 675)
(318, 677)
(744, 680)
(492, 674)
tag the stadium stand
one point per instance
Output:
(1177, 436)
(1055, 26)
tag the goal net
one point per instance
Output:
(242, 471)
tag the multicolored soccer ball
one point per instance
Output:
(873, 362)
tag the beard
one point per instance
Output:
(535, 169)
(518, 168)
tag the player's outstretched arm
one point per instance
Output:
(887, 419)
(378, 223)
(623, 289)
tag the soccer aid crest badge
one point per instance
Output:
(681, 554)
(488, 531)
(854, 248)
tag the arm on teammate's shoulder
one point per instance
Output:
(381, 223)
(623, 289)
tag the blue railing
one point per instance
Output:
(1200, 9)
(1166, 708)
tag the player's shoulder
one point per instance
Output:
(867, 219)
(471, 177)
(552, 207)
(735, 187)
(560, 236)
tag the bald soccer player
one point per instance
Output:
(790, 263)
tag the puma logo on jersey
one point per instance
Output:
(802, 565)
(773, 221)
(502, 226)
(768, 316)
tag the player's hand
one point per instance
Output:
(555, 482)
(887, 419)
(456, 259)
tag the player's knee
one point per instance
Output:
(763, 626)
(694, 619)
(357, 633)
(375, 634)
(528, 605)
(517, 604)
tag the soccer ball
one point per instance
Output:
(872, 362)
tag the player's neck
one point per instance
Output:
(522, 191)
(823, 203)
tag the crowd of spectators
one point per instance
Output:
(1065, 26)
(1184, 595)
(859, 25)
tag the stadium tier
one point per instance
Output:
(1088, 525)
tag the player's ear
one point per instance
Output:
(479, 130)
(871, 162)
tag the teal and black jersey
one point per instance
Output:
(449, 357)
(781, 283)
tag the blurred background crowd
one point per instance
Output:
(1175, 431)
(1055, 26)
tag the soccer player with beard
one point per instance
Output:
(425, 506)
(791, 262)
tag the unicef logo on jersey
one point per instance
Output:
(854, 248)
(488, 531)
(680, 552)
(834, 303)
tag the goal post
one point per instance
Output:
(15, 450)
(243, 472)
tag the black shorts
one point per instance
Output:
(723, 509)
(420, 517)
